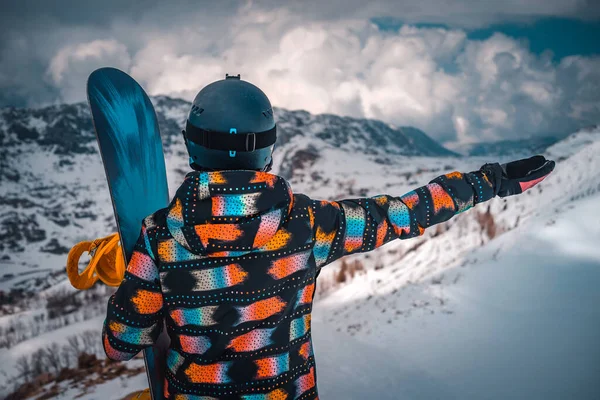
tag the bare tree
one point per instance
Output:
(24, 368)
(52, 354)
(75, 344)
(38, 363)
(66, 355)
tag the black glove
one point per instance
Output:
(517, 176)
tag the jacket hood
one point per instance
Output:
(228, 213)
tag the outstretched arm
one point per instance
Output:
(361, 225)
(134, 317)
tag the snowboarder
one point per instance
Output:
(231, 264)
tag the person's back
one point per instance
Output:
(231, 264)
(236, 277)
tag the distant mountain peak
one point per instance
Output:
(69, 128)
(510, 147)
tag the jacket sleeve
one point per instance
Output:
(360, 225)
(135, 311)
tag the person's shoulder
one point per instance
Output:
(302, 200)
(157, 218)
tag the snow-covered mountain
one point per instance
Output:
(522, 147)
(51, 170)
(53, 194)
(512, 317)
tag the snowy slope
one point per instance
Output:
(517, 318)
(524, 322)
(575, 177)
(54, 192)
(523, 325)
(415, 318)
(523, 147)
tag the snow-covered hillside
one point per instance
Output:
(54, 191)
(514, 319)
(470, 305)
(523, 147)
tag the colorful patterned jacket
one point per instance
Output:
(230, 265)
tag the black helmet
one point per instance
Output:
(230, 126)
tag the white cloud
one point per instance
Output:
(69, 68)
(432, 78)
(583, 93)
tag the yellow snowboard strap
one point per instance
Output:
(107, 263)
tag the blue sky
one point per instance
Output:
(562, 36)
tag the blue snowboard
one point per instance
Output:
(131, 149)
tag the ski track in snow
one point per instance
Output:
(456, 314)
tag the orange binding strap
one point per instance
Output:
(107, 263)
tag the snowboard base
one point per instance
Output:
(131, 148)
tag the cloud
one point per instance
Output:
(436, 79)
(432, 78)
(582, 93)
(70, 67)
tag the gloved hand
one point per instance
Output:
(517, 176)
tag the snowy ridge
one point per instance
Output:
(54, 194)
(54, 191)
(514, 318)
(511, 148)
(576, 177)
